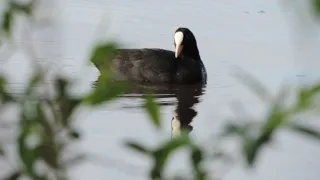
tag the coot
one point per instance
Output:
(160, 66)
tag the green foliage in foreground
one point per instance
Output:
(161, 154)
(46, 127)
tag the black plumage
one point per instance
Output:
(159, 66)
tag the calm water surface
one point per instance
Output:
(253, 35)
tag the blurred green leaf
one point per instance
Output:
(7, 21)
(34, 81)
(67, 106)
(74, 134)
(1, 150)
(61, 87)
(306, 98)
(102, 55)
(311, 132)
(233, 129)
(176, 142)
(315, 89)
(43, 122)
(25, 8)
(106, 90)
(252, 145)
(138, 147)
(101, 95)
(251, 149)
(153, 110)
(14, 176)
(4, 95)
(2, 82)
(316, 6)
(12, 9)
(161, 155)
(30, 127)
(27, 155)
(242, 130)
(275, 118)
(46, 149)
(48, 154)
(196, 156)
(196, 159)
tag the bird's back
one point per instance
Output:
(144, 65)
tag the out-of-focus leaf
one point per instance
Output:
(232, 129)
(250, 149)
(255, 86)
(25, 8)
(1, 150)
(64, 102)
(274, 120)
(176, 142)
(67, 106)
(34, 81)
(27, 155)
(13, 8)
(14, 176)
(153, 110)
(29, 124)
(103, 95)
(282, 96)
(315, 89)
(48, 154)
(2, 82)
(311, 132)
(74, 134)
(102, 55)
(43, 122)
(45, 149)
(106, 91)
(138, 147)
(4, 95)
(61, 87)
(196, 156)
(306, 98)
(7, 21)
(252, 145)
(316, 6)
(161, 155)
(196, 159)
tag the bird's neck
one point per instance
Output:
(192, 52)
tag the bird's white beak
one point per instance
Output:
(178, 38)
(179, 48)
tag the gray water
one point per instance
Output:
(256, 36)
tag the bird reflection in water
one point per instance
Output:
(187, 96)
